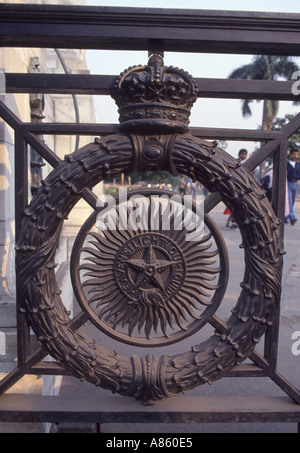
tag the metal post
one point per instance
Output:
(21, 201)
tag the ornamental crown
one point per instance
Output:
(154, 97)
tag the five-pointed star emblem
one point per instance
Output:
(149, 269)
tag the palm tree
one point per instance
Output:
(265, 67)
(294, 140)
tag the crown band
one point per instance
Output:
(141, 117)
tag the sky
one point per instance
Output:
(206, 112)
(291, 6)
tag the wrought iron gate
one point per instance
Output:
(153, 271)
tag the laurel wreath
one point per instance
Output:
(149, 377)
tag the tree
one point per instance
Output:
(153, 177)
(294, 140)
(265, 67)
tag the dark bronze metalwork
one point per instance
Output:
(37, 105)
(152, 29)
(103, 84)
(151, 377)
(154, 97)
(167, 376)
(153, 146)
(138, 283)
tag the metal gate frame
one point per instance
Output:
(112, 28)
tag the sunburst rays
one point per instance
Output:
(147, 284)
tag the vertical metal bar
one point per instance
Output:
(99, 427)
(279, 184)
(21, 201)
(278, 204)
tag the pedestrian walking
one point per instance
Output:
(293, 176)
(182, 186)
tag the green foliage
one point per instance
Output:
(265, 67)
(155, 177)
(294, 140)
(151, 177)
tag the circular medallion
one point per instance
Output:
(152, 275)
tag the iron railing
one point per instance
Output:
(169, 30)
